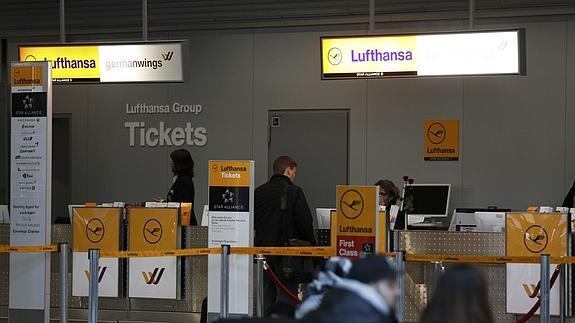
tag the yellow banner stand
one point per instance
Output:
(95, 228)
(532, 234)
(358, 220)
(153, 229)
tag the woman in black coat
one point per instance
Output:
(183, 188)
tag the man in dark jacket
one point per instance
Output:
(281, 214)
(366, 295)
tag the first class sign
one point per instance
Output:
(463, 53)
(110, 63)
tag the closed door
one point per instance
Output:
(319, 141)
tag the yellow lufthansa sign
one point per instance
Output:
(529, 234)
(229, 173)
(153, 229)
(368, 56)
(96, 228)
(69, 63)
(357, 220)
(27, 76)
(441, 140)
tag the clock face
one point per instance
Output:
(334, 56)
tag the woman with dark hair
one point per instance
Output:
(388, 196)
(183, 188)
(460, 296)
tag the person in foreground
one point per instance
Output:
(461, 296)
(366, 295)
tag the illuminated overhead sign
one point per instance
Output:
(464, 53)
(84, 63)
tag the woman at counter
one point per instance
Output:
(388, 197)
(182, 189)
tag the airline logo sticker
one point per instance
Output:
(101, 273)
(153, 278)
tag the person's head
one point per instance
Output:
(388, 192)
(377, 272)
(182, 163)
(460, 296)
(285, 165)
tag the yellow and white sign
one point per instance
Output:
(153, 229)
(529, 234)
(357, 220)
(469, 53)
(95, 228)
(149, 62)
(441, 140)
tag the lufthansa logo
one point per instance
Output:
(536, 238)
(351, 204)
(334, 56)
(436, 133)
(95, 230)
(152, 231)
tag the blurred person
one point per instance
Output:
(366, 295)
(460, 296)
(182, 190)
(282, 217)
(333, 271)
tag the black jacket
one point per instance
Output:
(269, 222)
(352, 301)
(183, 191)
(568, 201)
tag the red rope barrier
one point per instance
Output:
(281, 286)
(535, 307)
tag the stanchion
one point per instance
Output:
(94, 257)
(562, 293)
(63, 283)
(437, 270)
(400, 268)
(225, 282)
(545, 300)
(260, 285)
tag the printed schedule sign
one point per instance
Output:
(30, 185)
(532, 234)
(89, 63)
(95, 228)
(463, 53)
(231, 203)
(357, 220)
(153, 229)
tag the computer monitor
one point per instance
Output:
(426, 200)
(490, 221)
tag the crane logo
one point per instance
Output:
(351, 204)
(152, 231)
(436, 133)
(535, 238)
(95, 230)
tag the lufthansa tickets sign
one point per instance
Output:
(88, 63)
(469, 53)
(357, 220)
(95, 228)
(153, 229)
(441, 140)
(529, 234)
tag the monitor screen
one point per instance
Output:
(426, 200)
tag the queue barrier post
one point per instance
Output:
(437, 271)
(94, 258)
(400, 272)
(545, 299)
(562, 292)
(260, 285)
(225, 282)
(63, 282)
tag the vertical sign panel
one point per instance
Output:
(30, 189)
(153, 229)
(532, 234)
(357, 220)
(95, 228)
(231, 203)
(441, 140)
